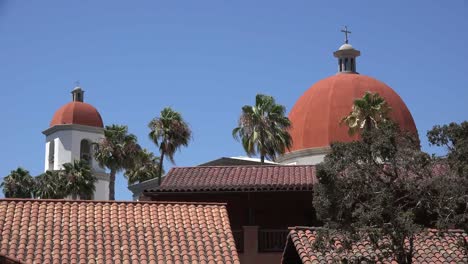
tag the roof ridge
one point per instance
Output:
(104, 201)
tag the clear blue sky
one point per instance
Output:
(208, 58)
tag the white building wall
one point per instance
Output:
(63, 152)
(102, 190)
(67, 147)
(77, 137)
(46, 158)
(67, 144)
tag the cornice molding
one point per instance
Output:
(101, 176)
(141, 186)
(304, 153)
(75, 127)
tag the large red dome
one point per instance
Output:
(77, 113)
(317, 114)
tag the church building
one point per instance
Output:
(259, 197)
(70, 136)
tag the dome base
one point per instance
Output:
(310, 156)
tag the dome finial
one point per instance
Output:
(346, 31)
(346, 55)
(77, 93)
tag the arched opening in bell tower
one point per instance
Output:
(85, 151)
(51, 157)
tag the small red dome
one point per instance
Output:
(317, 114)
(77, 113)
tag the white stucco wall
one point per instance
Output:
(46, 158)
(67, 147)
(102, 190)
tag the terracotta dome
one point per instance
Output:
(77, 113)
(317, 114)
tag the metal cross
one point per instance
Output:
(345, 30)
(77, 83)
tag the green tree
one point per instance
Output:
(146, 168)
(367, 113)
(384, 188)
(79, 180)
(169, 132)
(116, 152)
(18, 184)
(263, 128)
(454, 137)
(50, 185)
(448, 189)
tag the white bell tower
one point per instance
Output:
(72, 132)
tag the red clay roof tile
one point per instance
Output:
(238, 178)
(63, 231)
(432, 246)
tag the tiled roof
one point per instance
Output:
(64, 231)
(238, 178)
(429, 247)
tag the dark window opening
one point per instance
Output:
(85, 151)
(51, 154)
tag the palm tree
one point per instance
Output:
(50, 185)
(80, 181)
(367, 113)
(116, 152)
(18, 184)
(263, 128)
(169, 132)
(146, 168)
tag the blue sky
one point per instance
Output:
(207, 59)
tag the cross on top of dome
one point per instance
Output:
(346, 31)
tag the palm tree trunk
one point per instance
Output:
(161, 160)
(112, 185)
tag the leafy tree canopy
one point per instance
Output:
(18, 184)
(263, 128)
(146, 168)
(169, 132)
(455, 138)
(367, 113)
(117, 152)
(79, 181)
(74, 180)
(385, 186)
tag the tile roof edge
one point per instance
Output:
(237, 190)
(305, 228)
(293, 228)
(240, 166)
(104, 201)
